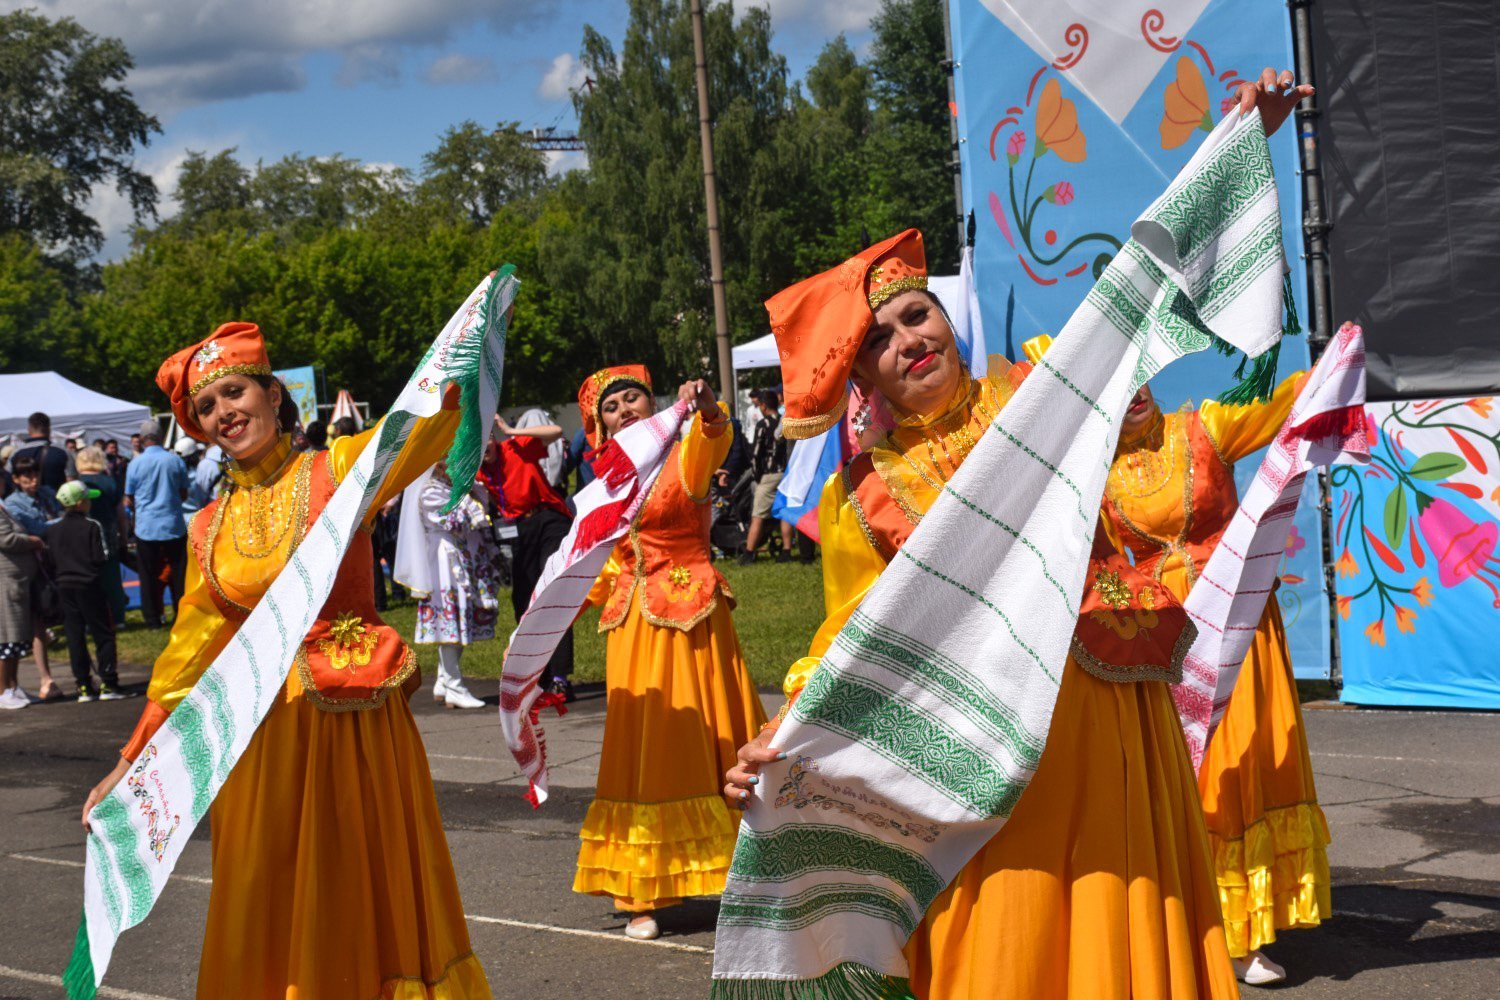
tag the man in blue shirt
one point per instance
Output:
(156, 484)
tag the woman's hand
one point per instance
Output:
(102, 789)
(700, 396)
(505, 428)
(1274, 94)
(745, 775)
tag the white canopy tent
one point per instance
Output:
(75, 411)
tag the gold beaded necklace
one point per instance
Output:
(271, 516)
(1150, 465)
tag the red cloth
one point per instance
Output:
(512, 473)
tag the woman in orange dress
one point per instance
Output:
(332, 876)
(1100, 885)
(1169, 497)
(680, 698)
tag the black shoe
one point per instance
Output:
(783, 556)
(745, 558)
(564, 687)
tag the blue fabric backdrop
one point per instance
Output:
(1054, 181)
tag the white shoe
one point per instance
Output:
(643, 930)
(1255, 969)
(458, 696)
(23, 694)
(439, 690)
(11, 699)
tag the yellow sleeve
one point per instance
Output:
(600, 591)
(429, 440)
(1239, 429)
(198, 635)
(851, 565)
(703, 452)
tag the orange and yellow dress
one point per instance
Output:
(331, 873)
(1100, 885)
(681, 702)
(1169, 497)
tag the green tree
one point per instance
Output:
(39, 325)
(212, 191)
(67, 125)
(474, 172)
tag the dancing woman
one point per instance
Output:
(680, 698)
(1169, 497)
(332, 876)
(1100, 884)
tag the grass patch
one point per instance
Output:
(780, 606)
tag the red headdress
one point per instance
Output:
(591, 394)
(232, 349)
(820, 322)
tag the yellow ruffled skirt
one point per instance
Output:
(332, 876)
(680, 705)
(1100, 886)
(1269, 838)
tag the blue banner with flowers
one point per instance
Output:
(1416, 535)
(1073, 116)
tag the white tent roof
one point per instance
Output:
(75, 411)
(951, 292)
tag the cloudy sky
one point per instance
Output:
(376, 80)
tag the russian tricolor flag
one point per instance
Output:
(808, 467)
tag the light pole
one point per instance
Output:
(711, 197)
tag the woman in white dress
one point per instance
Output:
(447, 560)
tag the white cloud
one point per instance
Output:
(564, 76)
(112, 210)
(842, 15)
(193, 51)
(456, 67)
(560, 161)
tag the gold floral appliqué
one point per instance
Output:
(350, 642)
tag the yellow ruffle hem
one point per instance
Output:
(652, 854)
(1273, 878)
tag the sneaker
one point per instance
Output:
(745, 558)
(11, 698)
(107, 692)
(1255, 969)
(85, 695)
(643, 928)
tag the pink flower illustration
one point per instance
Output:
(1015, 146)
(1294, 542)
(1463, 548)
(1060, 193)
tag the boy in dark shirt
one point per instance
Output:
(76, 544)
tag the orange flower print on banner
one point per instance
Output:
(1481, 405)
(1186, 108)
(1057, 126)
(1346, 565)
(1344, 603)
(1406, 619)
(1375, 632)
(1422, 591)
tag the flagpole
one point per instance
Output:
(711, 197)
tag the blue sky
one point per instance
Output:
(376, 80)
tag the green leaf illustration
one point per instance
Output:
(1438, 465)
(1395, 517)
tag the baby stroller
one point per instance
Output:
(731, 514)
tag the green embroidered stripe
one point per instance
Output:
(869, 641)
(1250, 259)
(845, 981)
(797, 849)
(187, 721)
(255, 672)
(100, 860)
(217, 693)
(1177, 322)
(1120, 304)
(812, 905)
(912, 739)
(971, 505)
(1056, 472)
(1198, 212)
(1076, 391)
(114, 825)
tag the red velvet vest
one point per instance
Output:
(666, 557)
(350, 658)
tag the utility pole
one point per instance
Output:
(711, 197)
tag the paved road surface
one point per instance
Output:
(1413, 799)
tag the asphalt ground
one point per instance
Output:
(1412, 797)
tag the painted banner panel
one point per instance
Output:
(1072, 116)
(1415, 535)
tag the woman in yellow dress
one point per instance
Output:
(680, 698)
(1169, 496)
(332, 876)
(1100, 885)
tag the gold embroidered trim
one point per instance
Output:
(797, 428)
(218, 373)
(375, 700)
(1170, 673)
(859, 514)
(1168, 546)
(891, 289)
(1213, 443)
